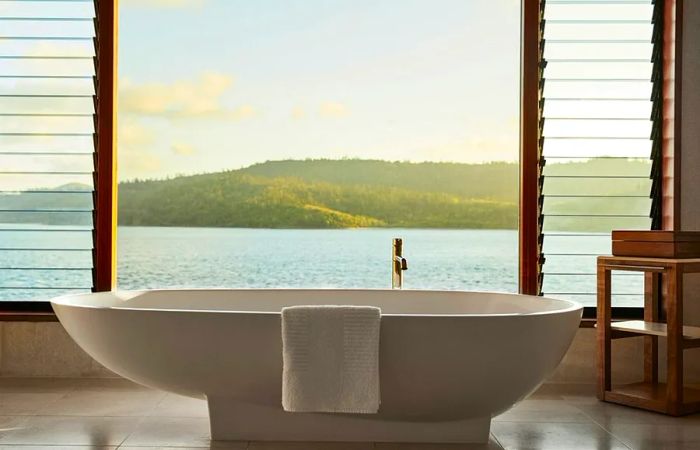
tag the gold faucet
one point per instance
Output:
(398, 264)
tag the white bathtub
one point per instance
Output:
(449, 361)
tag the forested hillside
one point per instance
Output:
(356, 193)
(237, 199)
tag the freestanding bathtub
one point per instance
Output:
(449, 360)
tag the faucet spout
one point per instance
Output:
(398, 264)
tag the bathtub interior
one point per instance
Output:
(392, 302)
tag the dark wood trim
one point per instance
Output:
(529, 147)
(27, 311)
(674, 341)
(105, 215)
(7, 316)
(671, 129)
(604, 333)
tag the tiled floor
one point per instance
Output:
(109, 414)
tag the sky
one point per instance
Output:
(206, 85)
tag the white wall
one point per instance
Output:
(43, 349)
(690, 146)
(690, 124)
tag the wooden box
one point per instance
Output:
(656, 244)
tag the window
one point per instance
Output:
(333, 129)
(599, 152)
(46, 148)
(285, 144)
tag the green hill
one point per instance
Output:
(358, 193)
(238, 199)
(491, 181)
(46, 205)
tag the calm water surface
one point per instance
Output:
(229, 257)
(159, 257)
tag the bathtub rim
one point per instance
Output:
(61, 301)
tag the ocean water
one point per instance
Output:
(162, 257)
(349, 258)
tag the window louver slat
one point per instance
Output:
(597, 146)
(47, 97)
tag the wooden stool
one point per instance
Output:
(670, 397)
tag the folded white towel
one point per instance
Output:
(331, 359)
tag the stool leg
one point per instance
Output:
(604, 332)
(674, 322)
(651, 314)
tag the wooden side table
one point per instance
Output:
(670, 397)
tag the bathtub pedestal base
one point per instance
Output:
(234, 421)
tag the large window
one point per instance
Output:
(284, 144)
(274, 144)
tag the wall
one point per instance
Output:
(690, 124)
(43, 349)
(690, 146)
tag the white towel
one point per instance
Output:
(331, 359)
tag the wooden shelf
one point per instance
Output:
(661, 276)
(652, 396)
(653, 329)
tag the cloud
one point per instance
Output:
(183, 149)
(135, 144)
(196, 98)
(242, 112)
(333, 109)
(163, 3)
(298, 113)
(133, 133)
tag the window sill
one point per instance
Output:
(27, 316)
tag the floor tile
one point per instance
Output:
(107, 403)
(560, 391)
(608, 414)
(213, 445)
(559, 436)
(36, 385)
(546, 411)
(11, 423)
(170, 431)
(58, 447)
(310, 446)
(178, 406)
(109, 384)
(122, 447)
(53, 430)
(104, 413)
(26, 403)
(491, 445)
(652, 437)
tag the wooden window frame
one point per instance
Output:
(105, 165)
(528, 214)
(105, 175)
(529, 276)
